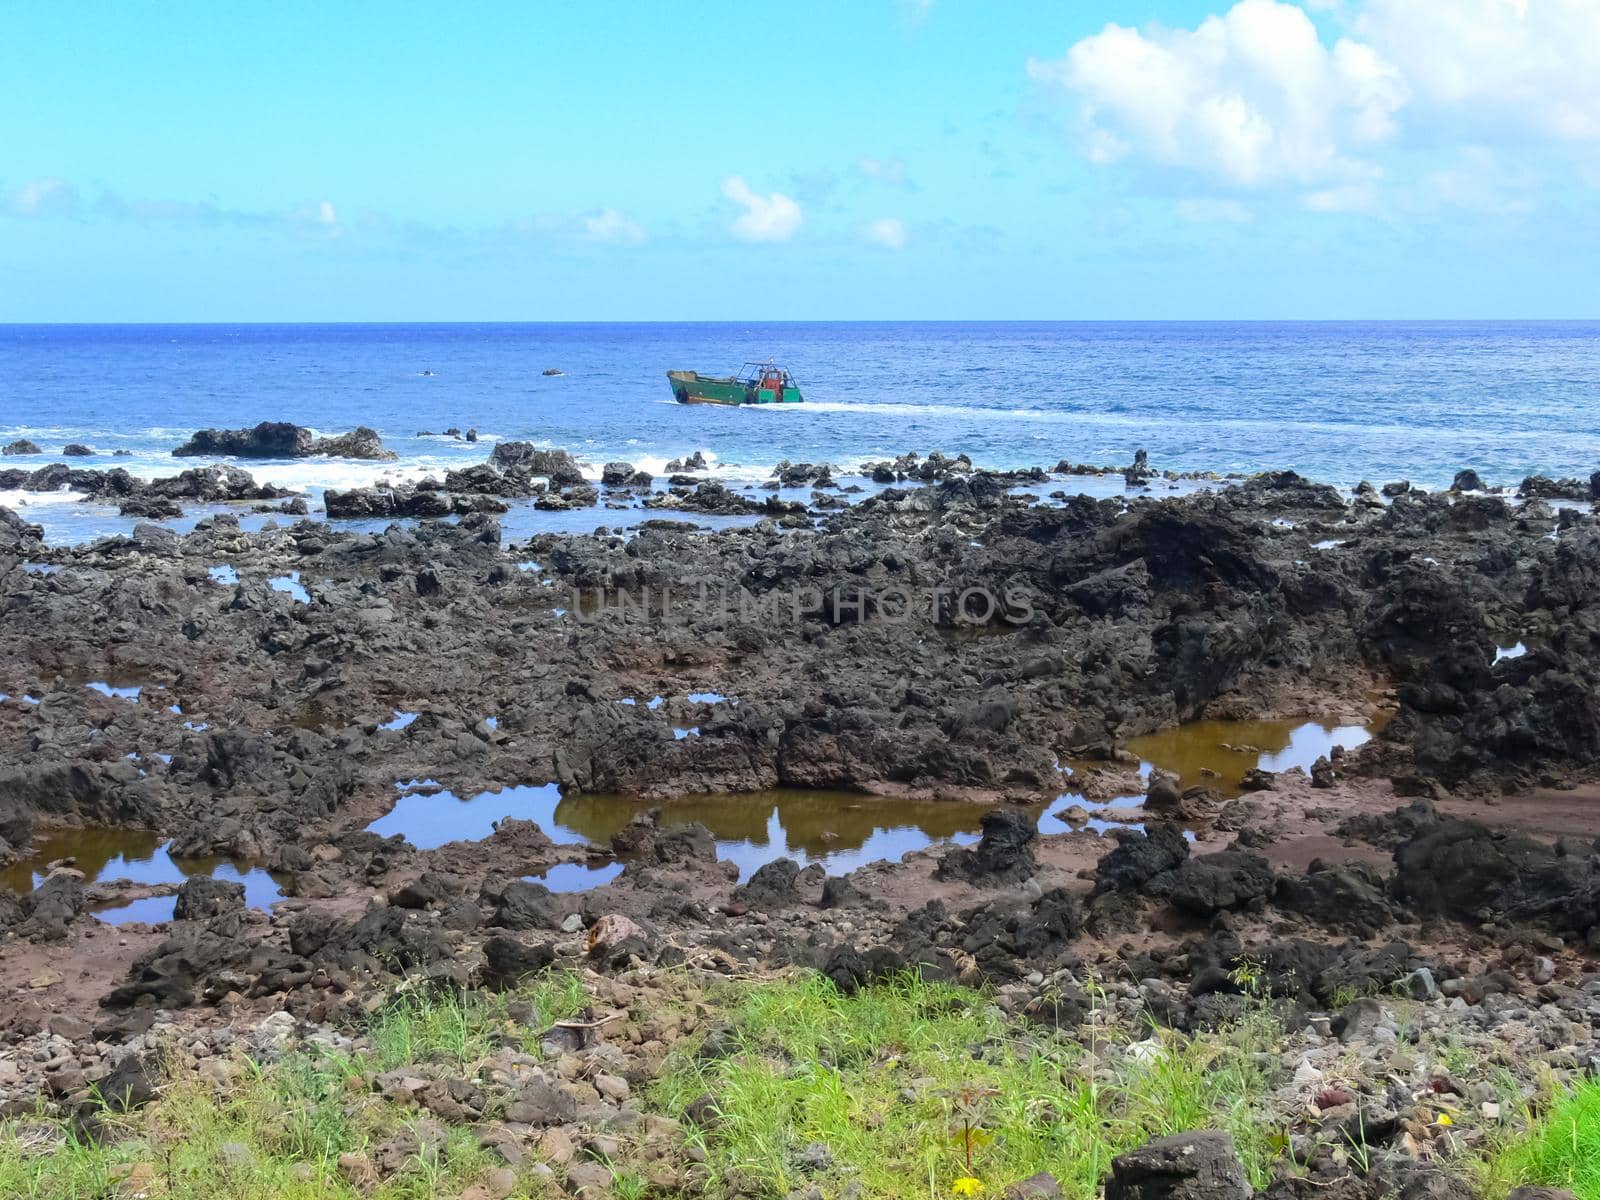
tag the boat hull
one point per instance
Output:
(690, 387)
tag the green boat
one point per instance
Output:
(756, 383)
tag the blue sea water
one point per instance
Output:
(1337, 401)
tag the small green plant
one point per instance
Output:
(1249, 974)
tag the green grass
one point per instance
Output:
(891, 1080)
(462, 1028)
(294, 1118)
(1562, 1149)
(909, 1085)
(288, 1120)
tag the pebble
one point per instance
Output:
(612, 1087)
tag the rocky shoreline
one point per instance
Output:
(917, 630)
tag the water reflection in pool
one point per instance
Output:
(845, 830)
(839, 830)
(140, 857)
(576, 877)
(1218, 753)
(430, 816)
(290, 585)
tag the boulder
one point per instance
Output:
(1228, 879)
(772, 887)
(280, 439)
(507, 961)
(1141, 857)
(1464, 870)
(1340, 896)
(1187, 1166)
(52, 906)
(1004, 854)
(556, 465)
(525, 905)
(203, 897)
(269, 439)
(20, 446)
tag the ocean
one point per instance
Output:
(1337, 401)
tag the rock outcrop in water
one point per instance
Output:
(280, 439)
(213, 484)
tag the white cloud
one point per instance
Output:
(1251, 97)
(887, 231)
(42, 198)
(1517, 65)
(315, 213)
(770, 218)
(315, 218)
(609, 225)
(1257, 98)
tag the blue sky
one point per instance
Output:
(830, 160)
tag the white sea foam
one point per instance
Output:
(17, 498)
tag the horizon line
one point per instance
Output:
(823, 321)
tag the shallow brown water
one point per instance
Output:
(1218, 753)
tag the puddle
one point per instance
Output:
(1327, 544)
(147, 910)
(845, 830)
(290, 585)
(139, 857)
(576, 877)
(223, 575)
(38, 568)
(1218, 753)
(839, 830)
(1504, 652)
(401, 720)
(430, 817)
(709, 698)
(115, 693)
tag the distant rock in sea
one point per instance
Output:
(21, 446)
(279, 439)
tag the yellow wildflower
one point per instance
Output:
(967, 1186)
(1444, 1119)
